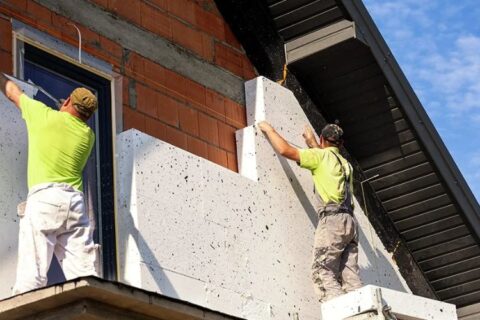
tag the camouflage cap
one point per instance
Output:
(84, 101)
(332, 133)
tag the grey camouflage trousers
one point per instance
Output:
(335, 256)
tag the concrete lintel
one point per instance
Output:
(90, 295)
(321, 39)
(150, 46)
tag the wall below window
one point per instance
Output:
(237, 243)
(13, 186)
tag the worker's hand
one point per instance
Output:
(309, 137)
(10, 89)
(265, 126)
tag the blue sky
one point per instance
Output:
(437, 44)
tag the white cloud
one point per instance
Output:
(475, 160)
(437, 44)
(438, 59)
(455, 74)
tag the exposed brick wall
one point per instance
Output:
(5, 46)
(157, 100)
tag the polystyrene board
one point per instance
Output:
(247, 235)
(13, 184)
(403, 305)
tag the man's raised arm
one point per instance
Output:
(10, 90)
(279, 143)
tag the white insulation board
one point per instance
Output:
(402, 305)
(236, 243)
(13, 185)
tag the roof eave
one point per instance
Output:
(414, 110)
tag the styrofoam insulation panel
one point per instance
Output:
(237, 243)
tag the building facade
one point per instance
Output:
(187, 197)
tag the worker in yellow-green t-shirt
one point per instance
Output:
(335, 257)
(55, 220)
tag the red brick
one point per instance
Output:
(188, 119)
(248, 70)
(19, 4)
(231, 39)
(197, 146)
(217, 155)
(154, 73)
(229, 59)
(134, 66)
(147, 100)
(128, 9)
(195, 91)
(155, 128)
(208, 5)
(175, 82)
(208, 128)
(187, 37)
(88, 36)
(63, 25)
(183, 9)
(112, 48)
(160, 3)
(168, 110)
(133, 119)
(235, 114)
(210, 23)
(215, 104)
(6, 35)
(232, 161)
(39, 12)
(155, 21)
(226, 137)
(6, 63)
(176, 137)
(208, 52)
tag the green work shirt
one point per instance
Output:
(59, 144)
(327, 173)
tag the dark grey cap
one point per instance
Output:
(332, 133)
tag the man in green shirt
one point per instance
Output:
(335, 256)
(54, 220)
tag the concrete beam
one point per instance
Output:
(150, 46)
(322, 39)
(93, 298)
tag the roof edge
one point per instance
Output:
(417, 115)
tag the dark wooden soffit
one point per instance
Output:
(341, 68)
(94, 298)
(444, 216)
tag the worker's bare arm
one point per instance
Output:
(10, 89)
(279, 144)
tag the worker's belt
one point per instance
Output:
(333, 209)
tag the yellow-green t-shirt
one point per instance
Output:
(59, 144)
(327, 173)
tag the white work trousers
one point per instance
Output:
(54, 221)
